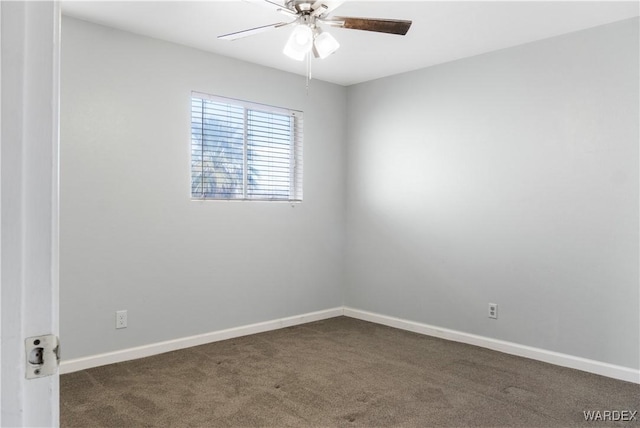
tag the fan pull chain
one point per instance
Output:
(308, 71)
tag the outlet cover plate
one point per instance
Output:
(121, 319)
(493, 310)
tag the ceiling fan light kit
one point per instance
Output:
(299, 43)
(303, 40)
(307, 36)
(324, 45)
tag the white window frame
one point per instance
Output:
(296, 149)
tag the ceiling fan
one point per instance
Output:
(307, 36)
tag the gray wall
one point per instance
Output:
(132, 239)
(510, 177)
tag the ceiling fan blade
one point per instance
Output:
(390, 26)
(274, 6)
(252, 31)
(322, 8)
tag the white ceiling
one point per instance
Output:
(442, 31)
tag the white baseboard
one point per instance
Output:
(77, 364)
(564, 360)
(559, 359)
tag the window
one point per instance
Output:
(246, 151)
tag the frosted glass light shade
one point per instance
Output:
(299, 43)
(325, 45)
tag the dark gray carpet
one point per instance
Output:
(339, 372)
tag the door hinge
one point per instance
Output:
(42, 355)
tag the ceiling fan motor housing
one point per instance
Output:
(301, 6)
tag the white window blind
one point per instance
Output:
(243, 150)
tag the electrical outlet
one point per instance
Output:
(493, 310)
(121, 319)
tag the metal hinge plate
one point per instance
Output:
(42, 355)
